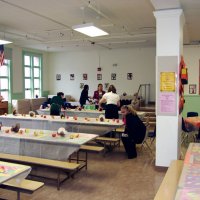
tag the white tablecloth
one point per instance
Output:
(41, 144)
(89, 125)
(84, 113)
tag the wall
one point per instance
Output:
(192, 104)
(192, 57)
(139, 61)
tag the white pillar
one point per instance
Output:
(169, 46)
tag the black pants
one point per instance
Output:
(111, 111)
(130, 147)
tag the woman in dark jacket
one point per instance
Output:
(84, 95)
(135, 130)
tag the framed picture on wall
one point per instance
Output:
(81, 85)
(113, 76)
(192, 89)
(106, 85)
(99, 76)
(129, 76)
(85, 76)
(58, 77)
(72, 77)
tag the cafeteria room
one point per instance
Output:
(99, 99)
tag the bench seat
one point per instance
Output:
(91, 148)
(86, 149)
(25, 186)
(108, 142)
(33, 161)
(168, 187)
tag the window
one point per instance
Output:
(32, 74)
(5, 80)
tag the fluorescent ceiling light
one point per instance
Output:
(89, 29)
(4, 42)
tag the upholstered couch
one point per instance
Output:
(24, 106)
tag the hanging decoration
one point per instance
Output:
(183, 79)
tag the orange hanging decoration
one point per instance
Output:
(184, 72)
(183, 79)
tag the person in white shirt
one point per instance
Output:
(112, 100)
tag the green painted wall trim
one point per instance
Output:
(21, 95)
(192, 104)
(192, 96)
(45, 93)
(18, 95)
(8, 55)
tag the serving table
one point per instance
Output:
(182, 180)
(41, 143)
(189, 183)
(13, 172)
(84, 113)
(195, 123)
(71, 124)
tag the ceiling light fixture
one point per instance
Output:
(89, 29)
(4, 41)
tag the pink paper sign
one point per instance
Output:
(167, 103)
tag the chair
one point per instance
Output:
(152, 136)
(186, 132)
(192, 114)
(144, 142)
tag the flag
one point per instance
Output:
(1, 55)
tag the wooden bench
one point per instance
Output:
(108, 142)
(25, 186)
(86, 149)
(168, 187)
(68, 167)
(120, 130)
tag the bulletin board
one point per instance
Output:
(167, 74)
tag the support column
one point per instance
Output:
(169, 48)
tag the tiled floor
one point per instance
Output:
(112, 177)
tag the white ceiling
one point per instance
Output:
(46, 24)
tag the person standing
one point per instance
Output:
(98, 94)
(84, 95)
(135, 130)
(112, 100)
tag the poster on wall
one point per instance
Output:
(192, 89)
(99, 76)
(72, 77)
(85, 76)
(167, 81)
(81, 85)
(58, 77)
(113, 76)
(167, 102)
(129, 76)
(106, 85)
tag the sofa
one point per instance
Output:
(24, 106)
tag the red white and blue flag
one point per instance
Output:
(1, 55)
